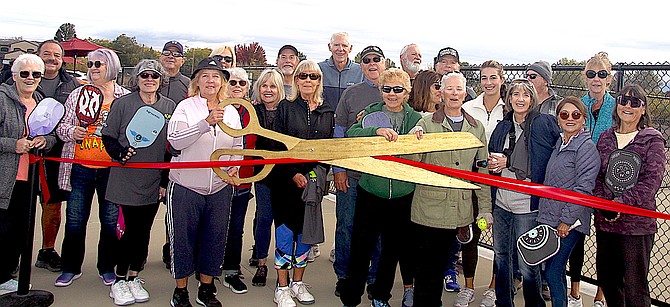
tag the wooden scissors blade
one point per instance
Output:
(399, 171)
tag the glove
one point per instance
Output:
(486, 216)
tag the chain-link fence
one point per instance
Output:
(655, 79)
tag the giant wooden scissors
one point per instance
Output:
(350, 153)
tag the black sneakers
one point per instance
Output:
(235, 284)
(260, 277)
(180, 298)
(48, 259)
(207, 296)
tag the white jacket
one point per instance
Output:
(189, 132)
(476, 109)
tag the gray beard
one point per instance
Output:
(413, 68)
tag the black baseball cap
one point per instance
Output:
(448, 51)
(290, 47)
(175, 44)
(372, 50)
(210, 63)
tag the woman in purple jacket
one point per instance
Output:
(624, 241)
(573, 166)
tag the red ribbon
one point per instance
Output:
(46, 195)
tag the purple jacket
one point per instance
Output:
(650, 145)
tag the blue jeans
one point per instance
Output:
(238, 212)
(508, 227)
(262, 221)
(344, 213)
(85, 182)
(555, 269)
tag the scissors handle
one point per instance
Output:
(224, 175)
(254, 127)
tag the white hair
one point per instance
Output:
(344, 34)
(453, 74)
(27, 59)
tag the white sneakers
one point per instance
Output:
(314, 253)
(128, 292)
(574, 302)
(11, 285)
(464, 297)
(283, 297)
(300, 292)
(488, 298)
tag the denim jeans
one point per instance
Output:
(508, 227)
(262, 221)
(85, 182)
(555, 269)
(238, 212)
(344, 213)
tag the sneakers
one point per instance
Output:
(207, 296)
(408, 297)
(283, 297)
(180, 298)
(300, 292)
(379, 303)
(546, 295)
(489, 298)
(121, 293)
(260, 277)
(11, 285)
(464, 298)
(599, 303)
(450, 282)
(66, 279)
(253, 262)
(331, 256)
(313, 253)
(518, 284)
(48, 259)
(166, 255)
(108, 278)
(574, 301)
(137, 289)
(235, 284)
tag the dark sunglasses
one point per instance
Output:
(235, 82)
(602, 74)
(531, 76)
(375, 59)
(564, 115)
(146, 75)
(311, 76)
(437, 86)
(221, 58)
(96, 63)
(36, 74)
(175, 54)
(634, 101)
(396, 89)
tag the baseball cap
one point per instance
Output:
(174, 44)
(148, 65)
(372, 50)
(210, 63)
(448, 51)
(290, 47)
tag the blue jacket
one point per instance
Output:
(540, 141)
(574, 168)
(604, 121)
(335, 81)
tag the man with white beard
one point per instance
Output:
(410, 60)
(287, 60)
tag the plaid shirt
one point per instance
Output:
(65, 131)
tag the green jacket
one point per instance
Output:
(380, 186)
(449, 208)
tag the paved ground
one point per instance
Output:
(89, 290)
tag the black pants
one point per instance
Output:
(429, 274)
(134, 244)
(13, 224)
(622, 264)
(374, 218)
(576, 261)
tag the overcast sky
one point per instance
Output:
(512, 32)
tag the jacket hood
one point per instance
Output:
(10, 91)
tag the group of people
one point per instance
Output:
(531, 134)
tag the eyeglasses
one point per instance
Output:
(375, 59)
(235, 82)
(175, 54)
(531, 76)
(146, 75)
(96, 63)
(396, 89)
(311, 76)
(36, 74)
(602, 74)
(222, 58)
(437, 86)
(634, 101)
(564, 115)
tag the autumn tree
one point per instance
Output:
(65, 31)
(193, 57)
(250, 55)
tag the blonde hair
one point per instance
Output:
(273, 76)
(194, 88)
(303, 66)
(221, 48)
(600, 59)
(396, 74)
(527, 87)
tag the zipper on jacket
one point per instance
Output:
(390, 188)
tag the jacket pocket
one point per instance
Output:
(430, 205)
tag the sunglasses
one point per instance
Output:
(221, 58)
(375, 59)
(396, 89)
(311, 76)
(235, 82)
(564, 115)
(36, 74)
(97, 64)
(634, 101)
(531, 76)
(146, 75)
(175, 54)
(602, 74)
(437, 86)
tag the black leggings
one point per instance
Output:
(470, 253)
(576, 261)
(134, 244)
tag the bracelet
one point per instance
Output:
(618, 215)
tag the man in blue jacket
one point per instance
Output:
(339, 72)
